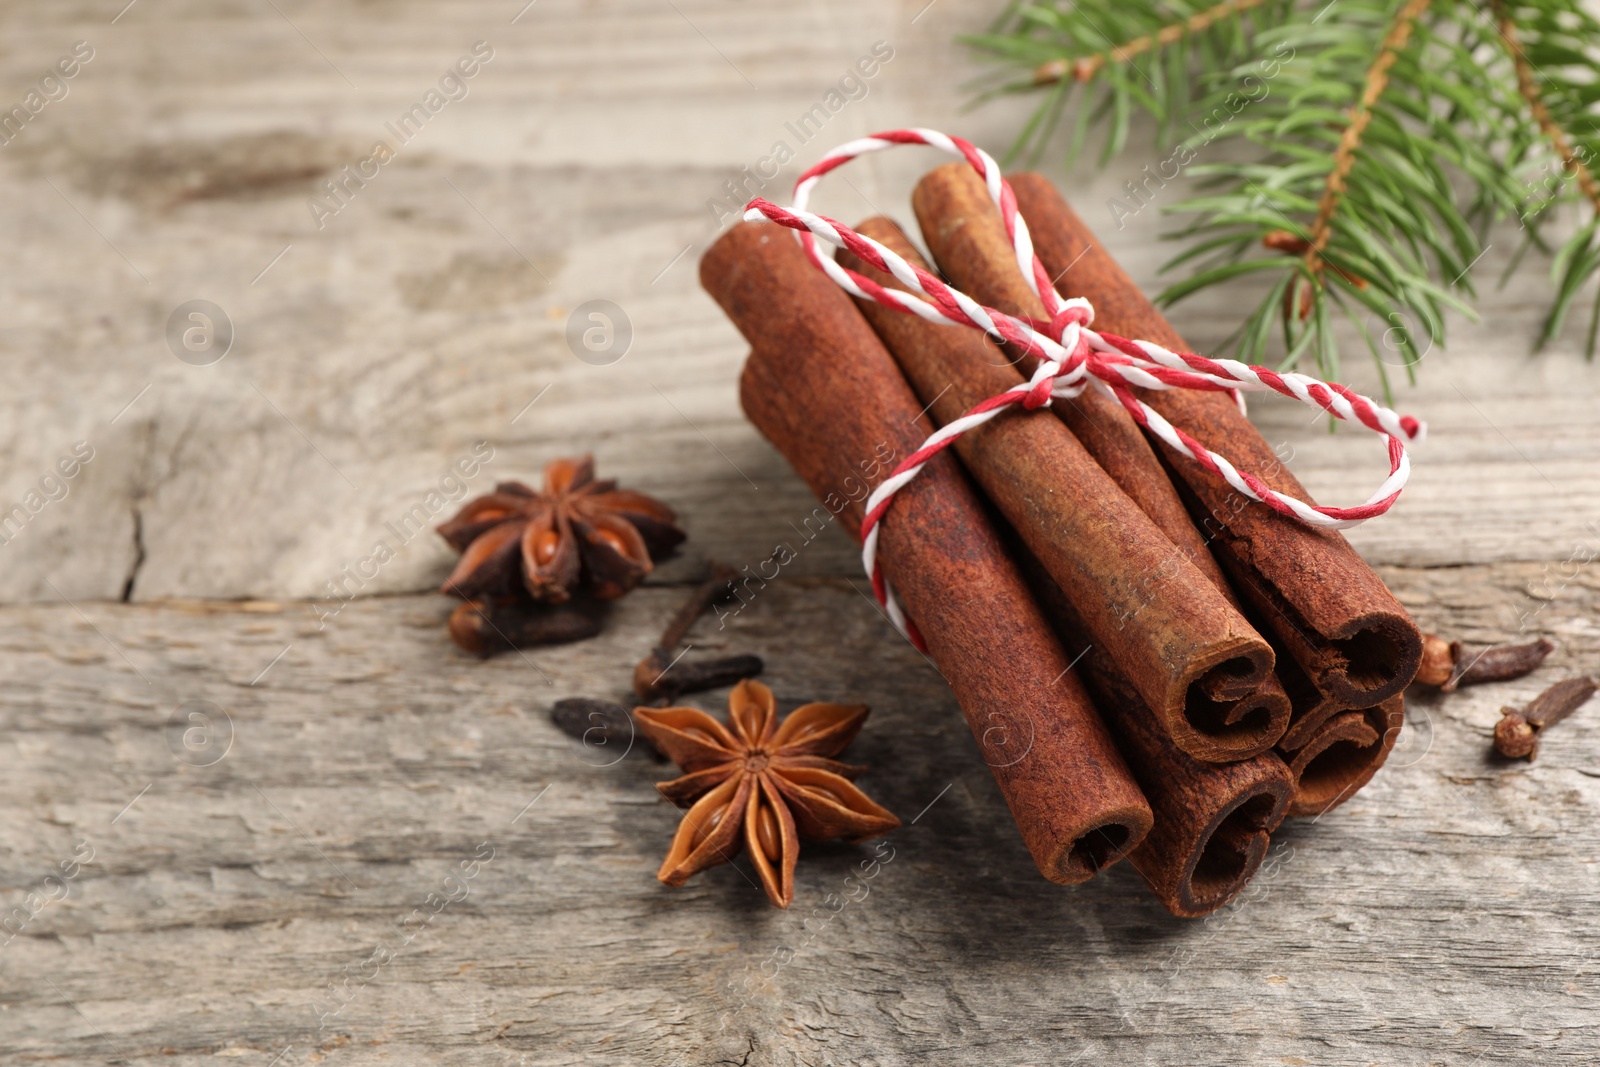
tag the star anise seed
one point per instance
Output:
(760, 784)
(548, 542)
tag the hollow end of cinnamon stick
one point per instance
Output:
(1212, 821)
(821, 387)
(1178, 636)
(1103, 845)
(1227, 852)
(1375, 661)
(1342, 756)
(1233, 709)
(1320, 599)
(1264, 699)
(1098, 848)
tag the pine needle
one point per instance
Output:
(1353, 151)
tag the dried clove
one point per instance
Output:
(484, 627)
(1451, 664)
(1438, 661)
(598, 722)
(1497, 663)
(1517, 733)
(654, 679)
(717, 587)
(661, 678)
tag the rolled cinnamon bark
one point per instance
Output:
(1173, 633)
(1331, 749)
(968, 239)
(1322, 601)
(1342, 755)
(1309, 707)
(820, 386)
(1213, 821)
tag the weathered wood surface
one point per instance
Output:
(1448, 913)
(1446, 916)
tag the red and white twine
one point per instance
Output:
(1072, 356)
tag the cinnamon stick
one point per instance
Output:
(1342, 755)
(1332, 750)
(968, 240)
(1213, 821)
(1309, 707)
(967, 237)
(1176, 637)
(821, 387)
(1321, 600)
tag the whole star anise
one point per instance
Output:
(760, 784)
(547, 542)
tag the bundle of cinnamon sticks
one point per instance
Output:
(1174, 667)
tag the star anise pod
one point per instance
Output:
(547, 542)
(760, 784)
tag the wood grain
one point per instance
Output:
(1445, 913)
(1446, 916)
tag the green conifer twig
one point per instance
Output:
(1344, 157)
(1367, 170)
(1082, 70)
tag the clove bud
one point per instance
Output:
(718, 586)
(1438, 661)
(598, 722)
(484, 627)
(660, 678)
(1516, 735)
(1450, 664)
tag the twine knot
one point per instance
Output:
(1076, 312)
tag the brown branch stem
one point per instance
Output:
(1344, 157)
(1083, 69)
(1528, 87)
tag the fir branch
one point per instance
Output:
(1085, 68)
(1344, 157)
(1552, 44)
(1362, 148)
(1129, 57)
(1528, 87)
(1530, 91)
(1395, 133)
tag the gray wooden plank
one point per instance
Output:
(1444, 915)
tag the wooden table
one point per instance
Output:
(271, 882)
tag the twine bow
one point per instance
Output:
(1072, 355)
